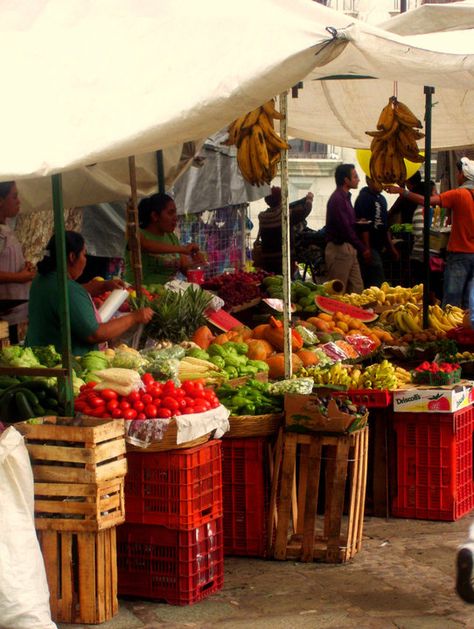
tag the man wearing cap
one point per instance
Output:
(460, 261)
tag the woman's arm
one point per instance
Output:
(21, 277)
(412, 196)
(152, 246)
(119, 325)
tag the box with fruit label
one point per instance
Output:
(425, 399)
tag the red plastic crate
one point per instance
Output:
(245, 489)
(371, 398)
(178, 567)
(179, 488)
(434, 459)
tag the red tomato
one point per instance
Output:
(106, 416)
(133, 397)
(108, 394)
(163, 412)
(182, 403)
(146, 398)
(147, 379)
(96, 402)
(179, 393)
(188, 387)
(141, 416)
(112, 404)
(90, 385)
(117, 413)
(130, 413)
(151, 411)
(79, 404)
(156, 389)
(199, 407)
(215, 403)
(187, 410)
(124, 405)
(170, 402)
(139, 406)
(189, 401)
(169, 387)
(198, 387)
(178, 412)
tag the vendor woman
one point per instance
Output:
(87, 331)
(162, 254)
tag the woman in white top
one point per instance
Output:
(15, 273)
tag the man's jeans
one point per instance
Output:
(458, 276)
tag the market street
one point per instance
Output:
(403, 578)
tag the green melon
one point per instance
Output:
(326, 304)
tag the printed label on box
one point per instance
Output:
(421, 399)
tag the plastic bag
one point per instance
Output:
(24, 594)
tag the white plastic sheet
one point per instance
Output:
(24, 594)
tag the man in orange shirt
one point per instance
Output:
(460, 260)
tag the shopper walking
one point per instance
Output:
(343, 243)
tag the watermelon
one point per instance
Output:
(326, 304)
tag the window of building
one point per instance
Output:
(310, 150)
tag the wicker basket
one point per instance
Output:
(169, 441)
(253, 425)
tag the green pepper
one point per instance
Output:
(196, 352)
(240, 348)
(231, 371)
(216, 350)
(218, 361)
(260, 364)
(235, 360)
(247, 370)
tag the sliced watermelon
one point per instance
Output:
(326, 304)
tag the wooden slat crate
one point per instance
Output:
(79, 506)
(72, 450)
(82, 575)
(297, 480)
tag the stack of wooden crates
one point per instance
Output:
(79, 468)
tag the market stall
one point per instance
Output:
(350, 342)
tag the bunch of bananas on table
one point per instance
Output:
(258, 144)
(384, 295)
(408, 318)
(395, 139)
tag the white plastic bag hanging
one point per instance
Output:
(24, 594)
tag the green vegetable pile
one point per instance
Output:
(254, 398)
(231, 358)
(22, 398)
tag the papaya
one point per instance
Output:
(307, 357)
(259, 331)
(243, 331)
(274, 334)
(259, 349)
(276, 365)
(203, 337)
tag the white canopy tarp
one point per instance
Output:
(96, 81)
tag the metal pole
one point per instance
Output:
(429, 91)
(64, 382)
(285, 231)
(132, 230)
(243, 231)
(160, 171)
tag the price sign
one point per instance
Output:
(222, 320)
(277, 304)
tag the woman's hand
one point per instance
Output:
(394, 189)
(190, 250)
(97, 287)
(143, 315)
(112, 284)
(26, 274)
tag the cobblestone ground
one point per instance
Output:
(403, 578)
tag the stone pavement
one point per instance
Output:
(403, 578)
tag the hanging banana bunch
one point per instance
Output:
(395, 139)
(258, 144)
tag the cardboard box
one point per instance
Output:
(302, 415)
(425, 399)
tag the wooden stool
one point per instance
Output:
(294, 496)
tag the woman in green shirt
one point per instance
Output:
(162, 254)
(87, 331)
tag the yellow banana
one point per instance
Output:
(265, 122)
(258, 138)
(274, 141)
(387, 116)
(269, 109)
(243, 159)
(234, 130)
(251, 118)
(411, 322)
(405, 115)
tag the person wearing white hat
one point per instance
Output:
(460, 260)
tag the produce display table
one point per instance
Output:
(295, 490)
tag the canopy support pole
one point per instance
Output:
(64, 381)
(243, 231)
(285, 231)
(429, 91)
(160, 171)
(133, 237)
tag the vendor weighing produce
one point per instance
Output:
(87, 330)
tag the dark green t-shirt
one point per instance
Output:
(43, 313)
(157, 268)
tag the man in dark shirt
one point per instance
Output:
(343, 243)
(371, 206)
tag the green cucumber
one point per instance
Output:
(23, 409)
(8, 381)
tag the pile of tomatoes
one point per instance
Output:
(155, 399)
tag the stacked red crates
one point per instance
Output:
(171, 547)
(245, 489)
(434, 460)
